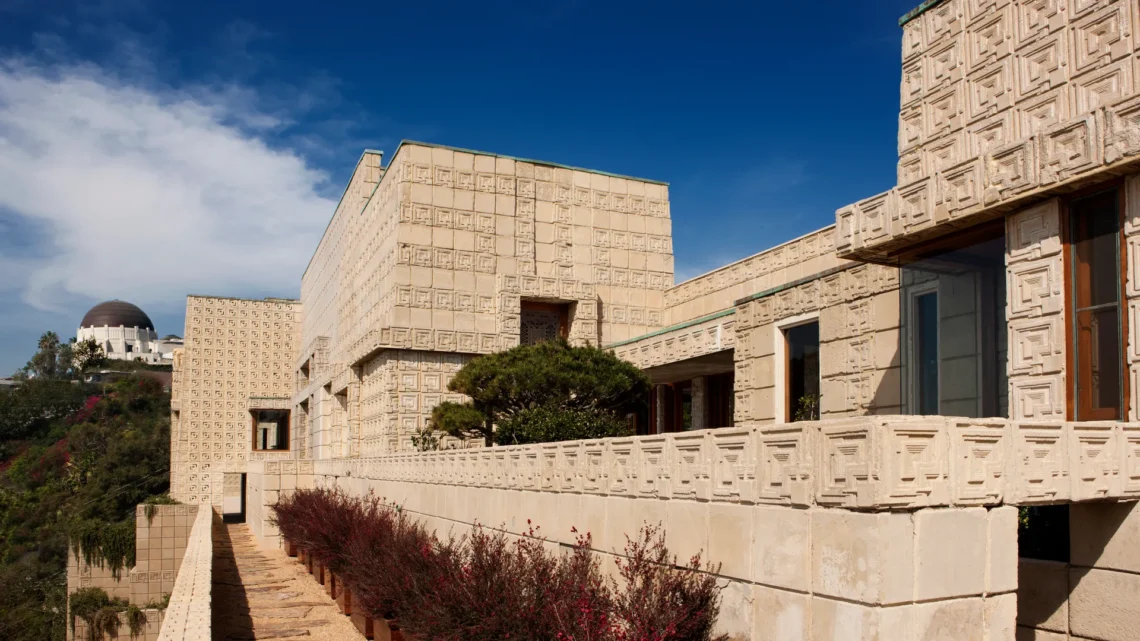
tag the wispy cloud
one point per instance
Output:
(149, 192)
(770, 177)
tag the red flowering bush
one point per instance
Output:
(661, 601)
(487, 586)
(491, 585)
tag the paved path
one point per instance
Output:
(263, 594)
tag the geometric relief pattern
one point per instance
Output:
(1017, 99)
(237, 354)
(863, 463)
(1095, 461)
(979, 459)
(1041, 463)
(1035, 313)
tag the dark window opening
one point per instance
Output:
(1095, 281)
(721, 399)
(802, 346)
(543, 322)
(270, 429)
(1043, 533)
(130, 348)
(926, 352)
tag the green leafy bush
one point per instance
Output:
(551, 375)
(550, 424)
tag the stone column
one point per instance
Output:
(700, 406)
(659, 399)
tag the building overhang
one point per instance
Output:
(1064, 158)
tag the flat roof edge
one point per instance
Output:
(266, 299)
(918, 11)
(530, 160)
(673, 328)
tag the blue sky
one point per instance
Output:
(152, 149)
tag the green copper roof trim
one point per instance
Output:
(795, 283)
(919, 10)
(672, 328)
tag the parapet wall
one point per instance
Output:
(891, 527)
(189, 615)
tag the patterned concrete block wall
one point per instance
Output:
(160, 543)
(325, 278)
(860, 528)
(1002, 101)
(1131, 257)
(438, 253)
(721, 288)
(467, 221)
(266, 482)
(399, 390)
(1035, 312)
(701, 336)
(858, 314)
(235, 350)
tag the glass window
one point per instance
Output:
(1095, 282)
(926, 352)
(953, 338)
(802, 348)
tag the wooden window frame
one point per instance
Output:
(1067, 248)
(253, 416)
(784, 356)
(562, 309)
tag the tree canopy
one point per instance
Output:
(75, 460)
(548, 391)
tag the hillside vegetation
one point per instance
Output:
(75, 460)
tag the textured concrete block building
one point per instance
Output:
(846, 421)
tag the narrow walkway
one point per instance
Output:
(264, 594)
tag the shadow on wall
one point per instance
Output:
(1091, 594)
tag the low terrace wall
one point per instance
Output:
(862, 528)
(188, 615)
(160, 543)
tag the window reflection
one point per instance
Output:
(953, 338)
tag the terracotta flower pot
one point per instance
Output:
(343, 597)
(330, 583)
(290, 548)
(364, 624)
(389, 631)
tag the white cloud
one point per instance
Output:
(149, 193)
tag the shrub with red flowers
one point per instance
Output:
(491, 585)
(325, 520)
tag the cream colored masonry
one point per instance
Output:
(1003, 102)
(863, 528)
